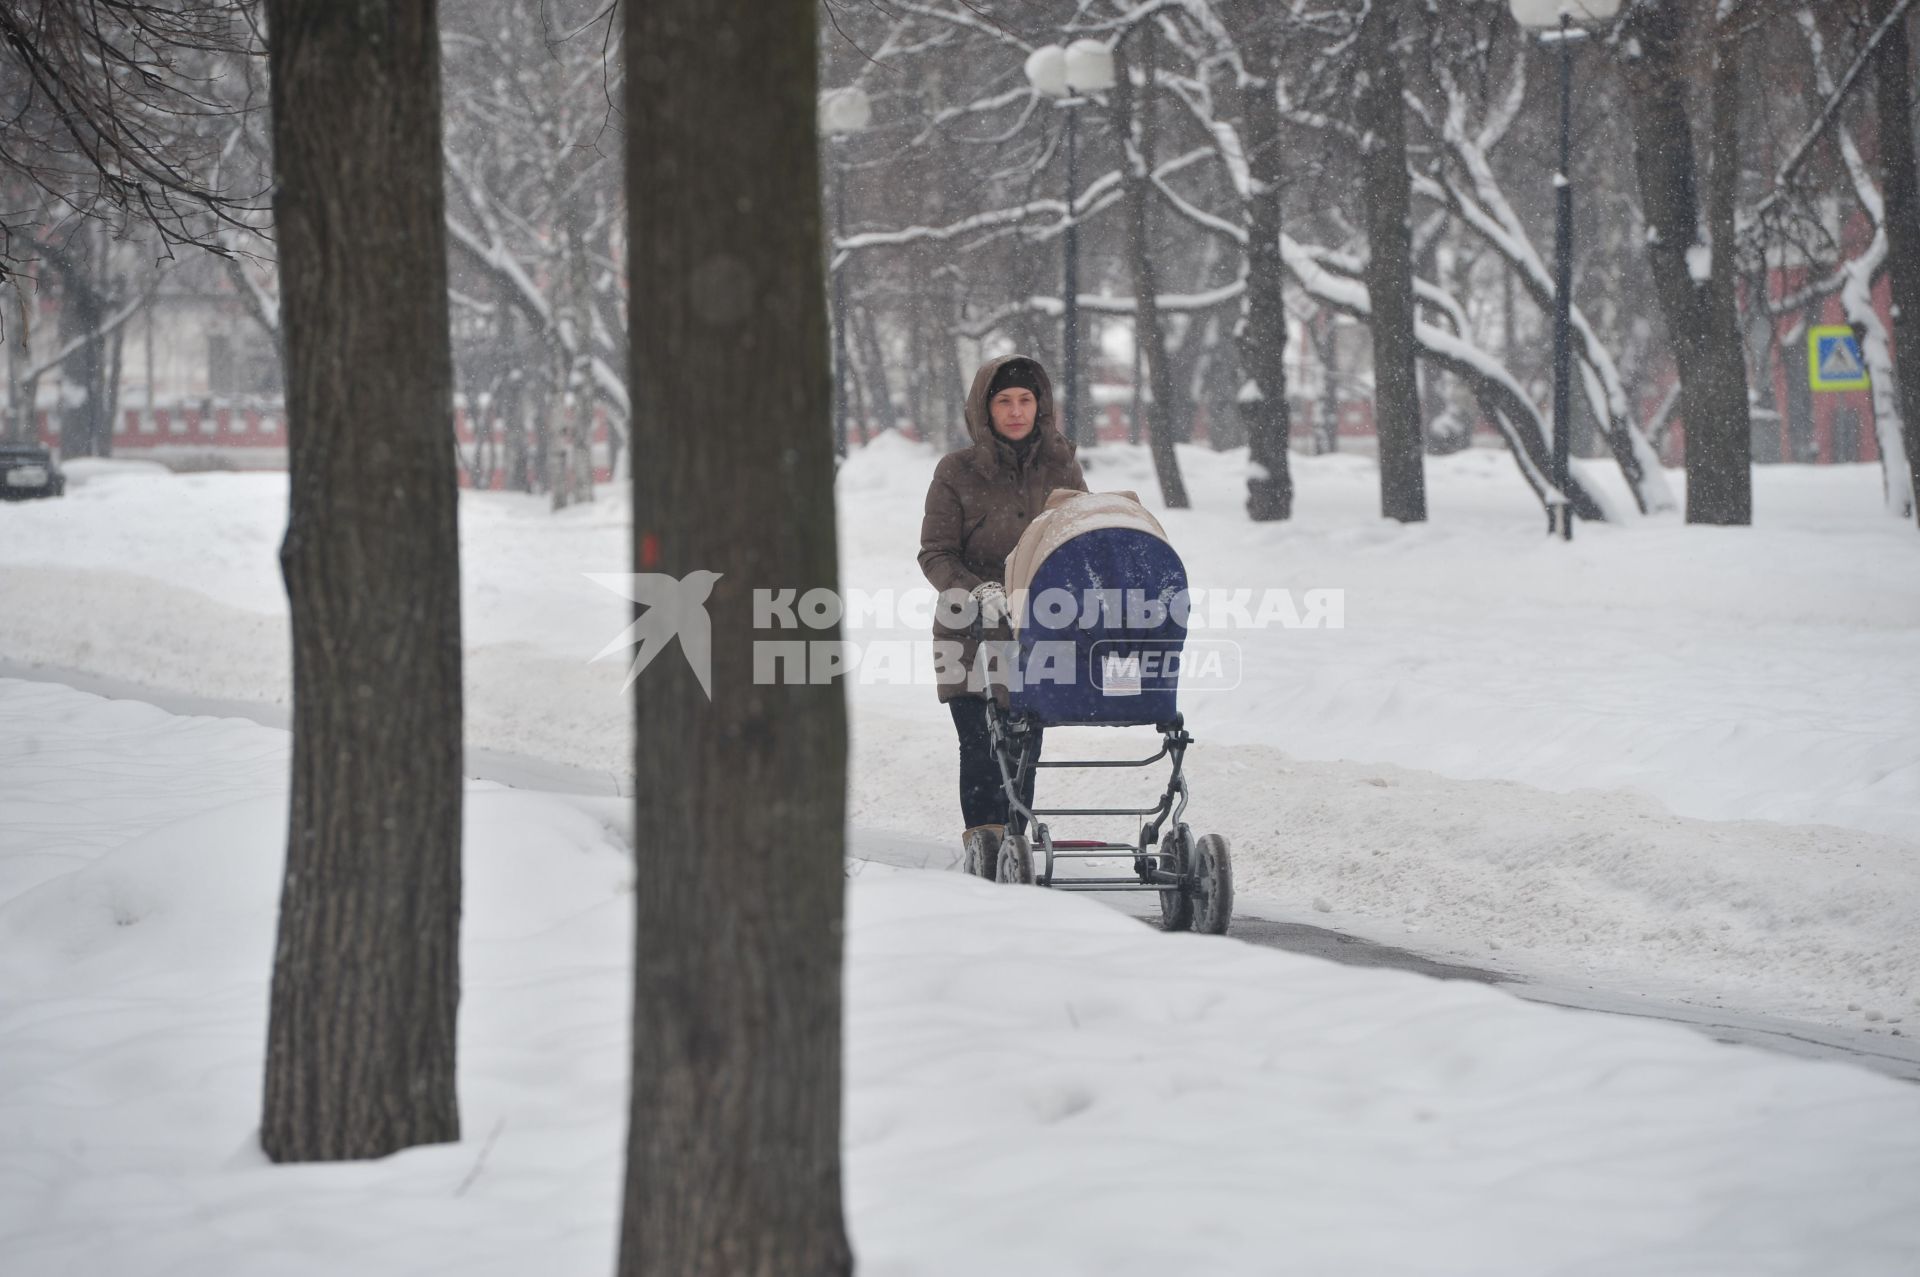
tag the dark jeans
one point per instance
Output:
(983, 799)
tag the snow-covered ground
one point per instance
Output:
(1034, 1084)
(1664, 759)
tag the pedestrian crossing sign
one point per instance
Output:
(1833, 359)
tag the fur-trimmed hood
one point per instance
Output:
(990, 451)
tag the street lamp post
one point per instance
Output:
(842, 112)
(1555, 21)
(1066, 75)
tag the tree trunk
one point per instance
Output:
(557, 464)
(513, 429)
(1262, 335)
(1178, 334)
(83, 310)
(1700, 314)
(1136, 406)
(1326, 346)
(110, 392)
(869, 384)
(919, 355)
(479, 411)
(511, 406)
(1893, 106)
(585, 419)
(953, 382)
(549, 388)
(733, 1150)
(1802, 446)
(20, 387)
(1397, 422)
(859, 398)
(360, 1037)
(582, 399)
(1769, 415)
(1217, 381)
(1148, 331)
(867, 323)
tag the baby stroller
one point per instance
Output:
(1097, 641)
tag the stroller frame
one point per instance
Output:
(1193, 877)
(1012, 737)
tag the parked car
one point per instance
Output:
(27, 470)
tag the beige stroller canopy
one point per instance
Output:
(1068, 514)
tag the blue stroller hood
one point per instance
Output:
(1098, 602)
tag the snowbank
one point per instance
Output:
(1035, 1083)
(1661, 757)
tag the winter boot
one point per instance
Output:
(982, 844)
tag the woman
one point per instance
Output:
(982, 498)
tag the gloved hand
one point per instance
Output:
(990, 598)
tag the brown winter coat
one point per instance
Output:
(983, 497)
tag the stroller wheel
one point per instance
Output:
(1211, 896)
(1016, 859)
(1145, 861)
(983, 853)
(1176, 853)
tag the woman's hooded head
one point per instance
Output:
(995, 376)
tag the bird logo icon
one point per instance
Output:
(675, 607)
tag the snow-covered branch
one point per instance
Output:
(1836, 96)
(1482, 204)
(1857, 276)
(1506, 403)
(95, 336)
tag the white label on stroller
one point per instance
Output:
(1120, 675)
